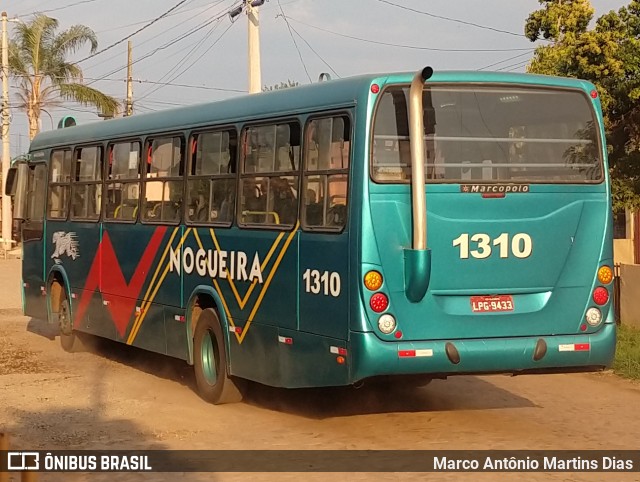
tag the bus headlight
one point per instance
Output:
(386, 324)
(594, 316)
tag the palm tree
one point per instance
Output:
(37, 61)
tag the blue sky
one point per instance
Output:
(175, 65)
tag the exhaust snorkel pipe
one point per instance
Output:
(417, 259)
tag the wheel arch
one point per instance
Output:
(57, 284)
(202, 298)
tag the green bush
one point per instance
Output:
(627, 361)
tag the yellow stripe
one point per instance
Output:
(263, 292)
(164, 255)
(217, 286)
(153, 278)
(226, 310)
(147, 303)
(242, 302)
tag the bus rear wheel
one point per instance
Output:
(69, 338)
(210, 361)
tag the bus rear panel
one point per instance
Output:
(518, 225)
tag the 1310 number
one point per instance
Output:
(325, 282)
(521, 245)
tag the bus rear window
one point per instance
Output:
(490, 134)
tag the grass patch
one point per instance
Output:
(627, 361)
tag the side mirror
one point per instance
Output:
(10, 185)
(16, 186)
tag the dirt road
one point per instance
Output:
(116, 398)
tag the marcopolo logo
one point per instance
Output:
(494, 188)
(23, 461)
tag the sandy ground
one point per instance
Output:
(114, 397)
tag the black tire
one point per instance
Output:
(210, 361)
(70, 340)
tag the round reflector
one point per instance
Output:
(386, 324)
(379, 302)
(373, 280)
(600, 295)
(375, 88)
(594, 316)
(594, 94)
(605, 275)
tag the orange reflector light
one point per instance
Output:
(605, 275)
(340, 360)
(600, 295)
(379, 302)
(373, 280)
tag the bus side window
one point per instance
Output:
(86, 189)
(59, 185)
(269, 177)
(326, 173)
(211, 186)
(163, 180)
(123, 181)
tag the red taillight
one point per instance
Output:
(379, 302)
(600, 295)
(375, 88)
(594, 94)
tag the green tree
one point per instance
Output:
(281, 85)
(607, 54)
(38, 63)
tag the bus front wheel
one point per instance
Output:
(210, 361)
(69, 338)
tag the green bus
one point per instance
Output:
(409, 225)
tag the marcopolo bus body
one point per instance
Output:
(393, 224)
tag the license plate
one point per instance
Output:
(486, 304)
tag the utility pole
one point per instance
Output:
(255, 80)
(6, 155)
(129, 110)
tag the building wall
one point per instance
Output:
(623, 251)
(630, 294)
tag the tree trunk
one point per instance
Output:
(33, 109)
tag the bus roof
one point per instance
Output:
(280, 102)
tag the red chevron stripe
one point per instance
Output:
(120, 296)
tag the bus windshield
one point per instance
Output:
(490, 134)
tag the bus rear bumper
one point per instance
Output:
(372, 357)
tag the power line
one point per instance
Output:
(192, 63)
(66, 6)
(412, 47)
(509, 68)
(517, 67)
(503, 61)
(181, 2)
(186, 57)
(313, 50)
(294, 42)
(449, 19)
(143, 81)
(203, 87)
(168, 44)
(165, 31)
(201, 7)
